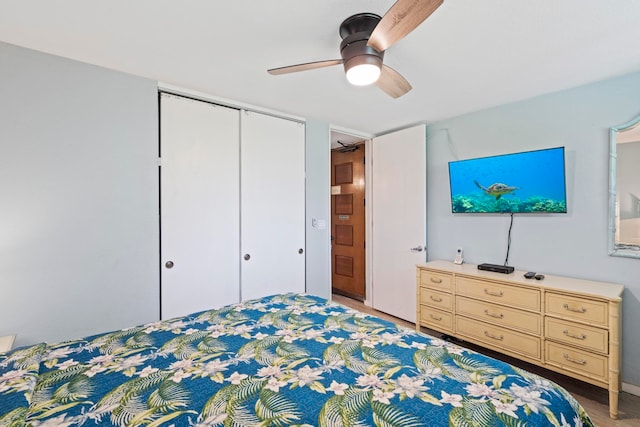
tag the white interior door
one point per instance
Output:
(200, 214)
(399, 219)
(272, 205)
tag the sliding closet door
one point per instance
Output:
(272, 200)
(199, 144)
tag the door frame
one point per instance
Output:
(368, 211)
(368, 230)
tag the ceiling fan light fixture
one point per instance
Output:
(363, 70)
(365, 38)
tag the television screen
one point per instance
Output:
(526, 182)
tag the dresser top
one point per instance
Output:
(612, 291)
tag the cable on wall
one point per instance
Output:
(506, 260)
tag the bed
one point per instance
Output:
(282, 360)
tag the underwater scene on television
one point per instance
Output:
(528, 182)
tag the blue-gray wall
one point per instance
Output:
(79, 198)
(574, 244)
(79, 224)
(318, 207)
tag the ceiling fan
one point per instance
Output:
(365, 38)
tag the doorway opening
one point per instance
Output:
(348, 230)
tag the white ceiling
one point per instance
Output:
(469, 55)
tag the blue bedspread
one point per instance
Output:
(284, 360)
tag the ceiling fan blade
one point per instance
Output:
(304, 67)
(402, 18)
(392, 83)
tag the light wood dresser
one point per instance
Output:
(568, 325)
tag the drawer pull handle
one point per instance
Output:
(576, 361)
(576, 336)
(575, 310)
(500, 338)
(436, 318)
(493, 294)
(497, 316)
(436, 299)
(435, 280)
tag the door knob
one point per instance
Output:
(300, 250)
(169, 264)
(417, 249)
(247, 257)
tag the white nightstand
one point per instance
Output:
(6, 343)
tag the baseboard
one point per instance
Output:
(631, 389)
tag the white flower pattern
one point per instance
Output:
(262, 349)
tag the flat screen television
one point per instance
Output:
(525, 182)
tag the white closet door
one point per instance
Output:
(399, 192)
(272, 205)
(200, 224)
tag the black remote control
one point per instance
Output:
(529, 275)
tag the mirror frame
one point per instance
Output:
(614, 249)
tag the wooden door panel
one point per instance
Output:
(344, 266)
(344, 235)
(343, 173)
(344, 204)
(348, 223)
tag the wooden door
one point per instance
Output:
(273, 205)
(348, 223)
(399, 193)
(199, 203)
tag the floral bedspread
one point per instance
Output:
(284, 360)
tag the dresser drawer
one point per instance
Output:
(498, 314)
(576, 334)
(575, 308)
(581, 362)
(433, 298)
(512, 296)
(436, 319)
(504, 339)
(436, 280)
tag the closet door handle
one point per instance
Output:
(169, 264)
(300, 251)
(247, 257)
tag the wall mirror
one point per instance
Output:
(624, 190)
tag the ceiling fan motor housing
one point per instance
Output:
(355, 32)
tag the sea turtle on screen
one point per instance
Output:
(496, 190)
